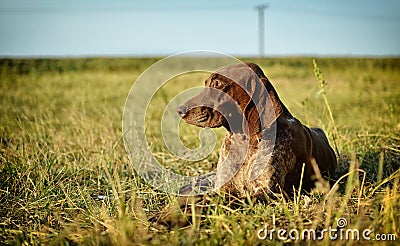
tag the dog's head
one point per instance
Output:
(233, 97)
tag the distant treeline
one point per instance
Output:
(60, 65)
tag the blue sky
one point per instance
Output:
(136, 28)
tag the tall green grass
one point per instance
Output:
(65, 177)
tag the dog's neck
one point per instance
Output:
(248, 121)
(257, 127)
(252, 126)
(259, 122)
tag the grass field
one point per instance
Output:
(65, 177)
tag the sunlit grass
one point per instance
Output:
(65, 176)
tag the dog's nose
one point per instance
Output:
(182, 110)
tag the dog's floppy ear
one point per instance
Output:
(273, 96)
(263, 107)
(252, 86)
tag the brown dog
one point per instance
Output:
(265, 147)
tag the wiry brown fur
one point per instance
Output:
(259, 162)
(295, 144)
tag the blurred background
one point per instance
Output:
(158, 28)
